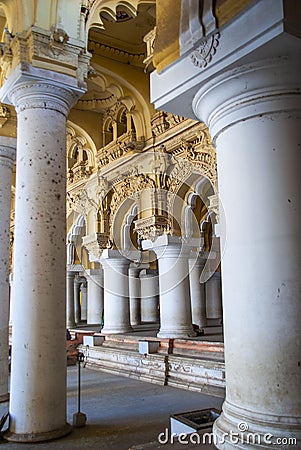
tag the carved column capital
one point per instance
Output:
(32, 88)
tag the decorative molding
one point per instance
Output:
(116, 53)
(83, 204)
(149, 40)
(41, 48)
(47, 94)
(203, 54)
(126, 143)
(4, 115)
(197, 22)
(152, 227)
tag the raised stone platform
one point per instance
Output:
(193, 364)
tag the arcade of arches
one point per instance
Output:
(149, 188)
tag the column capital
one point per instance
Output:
(33, 88)
(171, 246)
(114, 259)
(273, 85)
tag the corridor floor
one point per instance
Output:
(122, 413)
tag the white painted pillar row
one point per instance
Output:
(197, 291)
(135, 296)
(149, 296)
(116, 293)
(95, 296)
(175, 306)
(70, 316)
(7, 158)
(38, 376)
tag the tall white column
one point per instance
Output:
(70, 316)
(116, 293)
(254, 115)
(214, 297)
(95, 296)
(77, 306)
(197, 291)
(7, 158)
(149, 296)
(134, 295)
(84, 301)
(38, 376)
(175, 307)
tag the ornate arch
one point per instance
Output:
(110, 9)
(81, 153)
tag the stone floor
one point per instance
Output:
(122, 414)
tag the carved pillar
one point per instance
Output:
(38, 377)
(135, 295)
(175, 307)
(149, 296)
(70, 316)
(95, 296)
(197, 291)
(116, 293)
(7, 157)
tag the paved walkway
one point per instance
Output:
(121, 413)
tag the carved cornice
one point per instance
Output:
(32, 94)
(195, 147)
(130, 187)
(202, 56)
(116, 149)
(83, 204)
(45, 49)
(115, 53)
(4, 115)
(152, 227)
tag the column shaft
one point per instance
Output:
(116, 293)
(134, 296)
(38, 375)
(70, 317)
(84, 301)
(259, 140)
(7, 157)
(149, 296)
(77, 306)
(95, 296)
(175, 307)
(214, 297)
(197, 292)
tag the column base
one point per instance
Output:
(238, 428)
(177, 333)
(4, 398)
(120, 330)
(38, 437)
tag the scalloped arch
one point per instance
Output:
(78, 135)
(109, 8)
